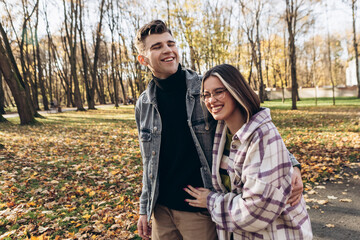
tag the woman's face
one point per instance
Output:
(221, 106)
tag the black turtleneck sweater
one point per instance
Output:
(179, 164)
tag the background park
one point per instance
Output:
(70, 164)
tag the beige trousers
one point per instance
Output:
(168, 224)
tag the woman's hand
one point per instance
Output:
(200, 195)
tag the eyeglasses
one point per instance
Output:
(218, 94)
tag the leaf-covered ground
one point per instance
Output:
(77, 175)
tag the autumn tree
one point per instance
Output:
(71, 16)
(2, 96)
(187, 23)
(50, 58)
(87, 63)
(355, 43)
(39, 62)
(13, 78)
(297, 16)
(252, 14)
(27, 62)
(114, 21)
(330, 66)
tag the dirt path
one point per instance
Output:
(335, 207)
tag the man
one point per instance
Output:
(176, 137)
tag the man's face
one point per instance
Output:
(161, 55)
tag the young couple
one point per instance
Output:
(223, 173)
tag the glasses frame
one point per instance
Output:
(218, 94)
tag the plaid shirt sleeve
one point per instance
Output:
(262, 183)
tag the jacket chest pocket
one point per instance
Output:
(145, 142)
(199, 126)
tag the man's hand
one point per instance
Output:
(143, 228)
(296, 187)
(200, 194)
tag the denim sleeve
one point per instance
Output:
(144, 193)
(293, 160)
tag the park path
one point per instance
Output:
(335, 206)
(12, 115)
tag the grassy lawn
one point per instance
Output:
(77, 175)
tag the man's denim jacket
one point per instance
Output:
(202, 128)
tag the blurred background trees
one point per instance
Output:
(78, 53)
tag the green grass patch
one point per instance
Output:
(311, 102)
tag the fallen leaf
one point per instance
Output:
(7, 234)
(332, 197)
(43, 229)
(322, 202)
(330, 225)
(311, 192)
(345, 200)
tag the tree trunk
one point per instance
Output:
(35, 90)
(291, 24)
(40, 70)
(17, 89)
(329, 56)
(115, 86)
(85, 61)
(9, 98)
(113, 20)
(100, 88)
(293, 72)
(85, 68)
(96, 57)
(353, 7)
(71, 35)
(50, 71)
(2, 96)
(120, 70)
(314, 70)
(261, 81)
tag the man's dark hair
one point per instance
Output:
(153, 27)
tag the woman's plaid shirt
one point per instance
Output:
(260, 172)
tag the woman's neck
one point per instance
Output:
(235, 121)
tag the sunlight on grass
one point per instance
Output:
(310, 102)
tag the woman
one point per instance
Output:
(251, 167)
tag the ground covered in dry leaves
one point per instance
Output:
(77, 175)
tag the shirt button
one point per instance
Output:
(236, 137)
(155, 129)
(153, 153)
(207, 128)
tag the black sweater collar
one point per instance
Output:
(172, 83)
